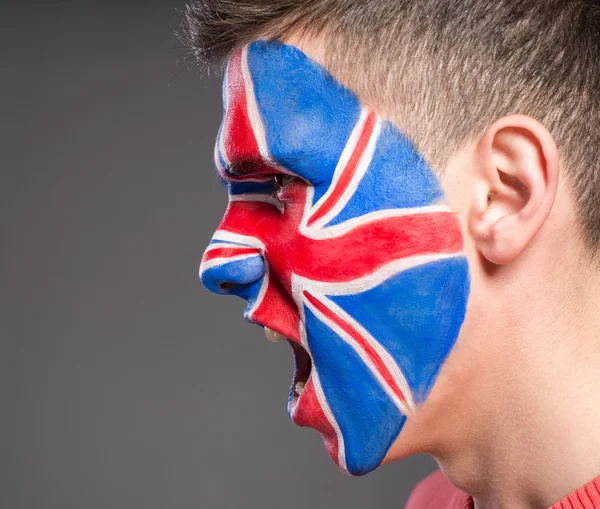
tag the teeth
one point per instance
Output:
(274, 337)
(299, 387)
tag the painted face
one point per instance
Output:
(338, 237)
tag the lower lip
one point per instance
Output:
(306, 411)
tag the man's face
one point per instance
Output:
(338, 237)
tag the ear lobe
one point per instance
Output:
(516, 179)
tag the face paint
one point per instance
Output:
(338, 237)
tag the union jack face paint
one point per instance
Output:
(338, 237)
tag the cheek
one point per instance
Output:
(378, 352)
(416, 316)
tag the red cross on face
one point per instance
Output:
(332, 254)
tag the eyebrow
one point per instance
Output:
(244, 167)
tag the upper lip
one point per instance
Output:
(295, 337)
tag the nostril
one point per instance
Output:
(231, 275)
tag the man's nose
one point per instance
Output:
(231, 268)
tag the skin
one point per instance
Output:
(354, 255)
(513, 417)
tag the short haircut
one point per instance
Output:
(444, 70)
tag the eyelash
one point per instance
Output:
(280, 180)
(249, 167)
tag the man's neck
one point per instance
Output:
(537, 436)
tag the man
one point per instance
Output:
(415, 206)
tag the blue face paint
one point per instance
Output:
(338, 237)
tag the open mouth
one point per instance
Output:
(302, 369)
(305, 406)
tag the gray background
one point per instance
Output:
(123, 383)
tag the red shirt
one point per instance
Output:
(436, 492)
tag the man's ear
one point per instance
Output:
(516, 178)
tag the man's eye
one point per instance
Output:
(280, 181)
